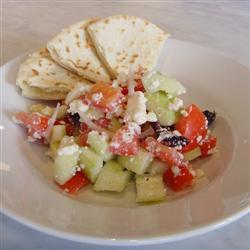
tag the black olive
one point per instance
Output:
(160, 129)
(175, 140)
(74, 118)
(210, 116)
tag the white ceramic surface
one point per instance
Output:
(213, 82)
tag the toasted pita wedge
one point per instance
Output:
(40, 77)
(126, 43)
(73, 49)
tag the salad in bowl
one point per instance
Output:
(131, 129)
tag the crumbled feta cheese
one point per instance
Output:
(184, 113)
(175, 170)
(82, 166)
(151, 117)
(176, 105)
(67, 146)
(136, 108)
(97, 97)
(133, 129)
(77, 106)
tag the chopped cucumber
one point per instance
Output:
(193, 154)
(157, 81)
(157, 167)
(57, 133)
(99, 143)
(150, 188)
(53, 147)
(112, 177)
(158, 103)
(64, 167)
(91, 163)
(138, 163)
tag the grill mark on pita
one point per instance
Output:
(77, 36)
(78, 44)
(67, 49)
(35, 72)
(106, 21)
(98, 73)
(59, 40)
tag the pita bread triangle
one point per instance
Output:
(127, 42)
(73, 49)
(40, 77)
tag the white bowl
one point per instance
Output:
(30, 196)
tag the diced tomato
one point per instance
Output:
(104, 96)
(103, 122)
(192, 127)
(139, 86)
(71, 128)
(167, 154)
(78, 181)
(180, 180)
(207, 145)
(84, 127)
(35, 123)
(126, 140)
(82, 139)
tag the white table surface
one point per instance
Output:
(221, 25)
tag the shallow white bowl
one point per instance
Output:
(30, 196)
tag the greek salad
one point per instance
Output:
(109, 134)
